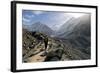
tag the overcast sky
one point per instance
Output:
(50, 18)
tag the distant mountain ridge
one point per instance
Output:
(39, 27)
(80, 35)
(67, 28)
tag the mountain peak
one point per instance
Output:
(37, 22)
(39, 27)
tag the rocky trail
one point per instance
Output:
(57, 50)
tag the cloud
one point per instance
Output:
(29, 16)
(25, 19)
(37, 12)
(76, 15)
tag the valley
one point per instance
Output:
(71, 42)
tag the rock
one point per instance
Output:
(54, 55)
(54, 59)
(44, 54)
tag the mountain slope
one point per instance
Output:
(70, 26)
(57, 50)
(66, 27)
(39, 27)
(81, 34)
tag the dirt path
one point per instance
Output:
(37, 57)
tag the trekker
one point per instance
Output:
(46, 42)
(41, 37)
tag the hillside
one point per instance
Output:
(57, 49)
(38, 26)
